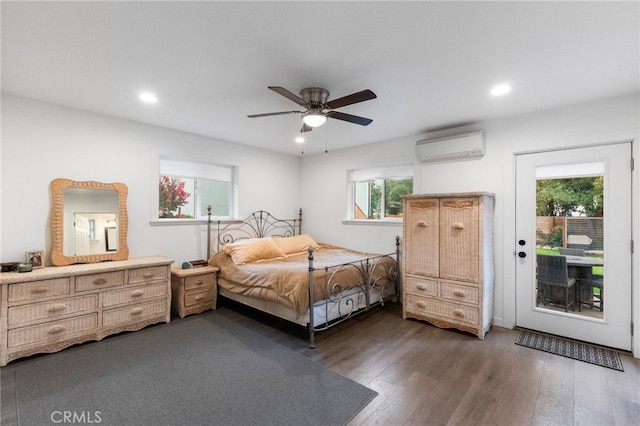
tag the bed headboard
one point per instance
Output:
(258, 224)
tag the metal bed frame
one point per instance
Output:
(374, 287)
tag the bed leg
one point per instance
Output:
(312, 343)
(312, 340)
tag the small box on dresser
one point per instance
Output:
(193, 290)
(448, 260)
(49, 309)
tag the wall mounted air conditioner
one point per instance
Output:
(461, 146)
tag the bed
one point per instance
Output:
(270, 265)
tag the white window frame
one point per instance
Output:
(199, 171)
(401, 171)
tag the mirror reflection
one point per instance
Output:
(87, 214)
(90, 233)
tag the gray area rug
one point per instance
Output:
(199, 370)
(571, 349)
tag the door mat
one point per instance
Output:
(571, 349)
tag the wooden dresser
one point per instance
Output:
(193, 290)
(447, 262)
(52, 308)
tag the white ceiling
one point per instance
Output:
(431, 64)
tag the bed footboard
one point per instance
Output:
(377, 278)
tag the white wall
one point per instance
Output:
(324, 180)
(41, 142)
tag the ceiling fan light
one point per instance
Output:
(314, 119)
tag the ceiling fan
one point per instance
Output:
(315, 100)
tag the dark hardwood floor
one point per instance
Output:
(429, 376)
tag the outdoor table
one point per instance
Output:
(581, 267)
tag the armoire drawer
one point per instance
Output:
(431, 307)
(421, 286)
(459, 292)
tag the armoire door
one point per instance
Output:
(422, 250)
(459, 239)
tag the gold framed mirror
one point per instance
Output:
(88, 222)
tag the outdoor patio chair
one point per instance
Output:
(586, 296)
(554, 285)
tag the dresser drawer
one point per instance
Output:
(98, 281)
(143, 275)
(421, 286)
(199, 297)
(52, 331)
(34, 312)
(38, 290)
(460, 293)
(132, 294)
(134, 313)
(454, 312)
(199, 281)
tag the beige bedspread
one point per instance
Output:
(285, 281)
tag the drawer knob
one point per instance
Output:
(199, 282)
(459, 293)
(39, 290)
(147, 275)
(199, 298)
(458, 313)
(421, 287)
(137, 293)
(421, 304)
(56, 329)
(137, 311)
(100, 281)
(422, 224)
(458, 225)
(58, 307)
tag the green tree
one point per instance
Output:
(565, 197)
(376, 196)
(394, 189)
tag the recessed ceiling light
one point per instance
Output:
(148, 97)
(299, 139)
(501, 89)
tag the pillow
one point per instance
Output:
(297, 244)
(253, 250)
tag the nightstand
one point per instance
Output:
(193, 290)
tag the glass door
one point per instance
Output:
(573, 227)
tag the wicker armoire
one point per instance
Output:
(447, 260)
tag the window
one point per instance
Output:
(186, 189)
(376, 193)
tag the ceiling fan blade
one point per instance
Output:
(287, 94)
(305, 128)
(354, 98)
(350, 118)
(268, 114)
